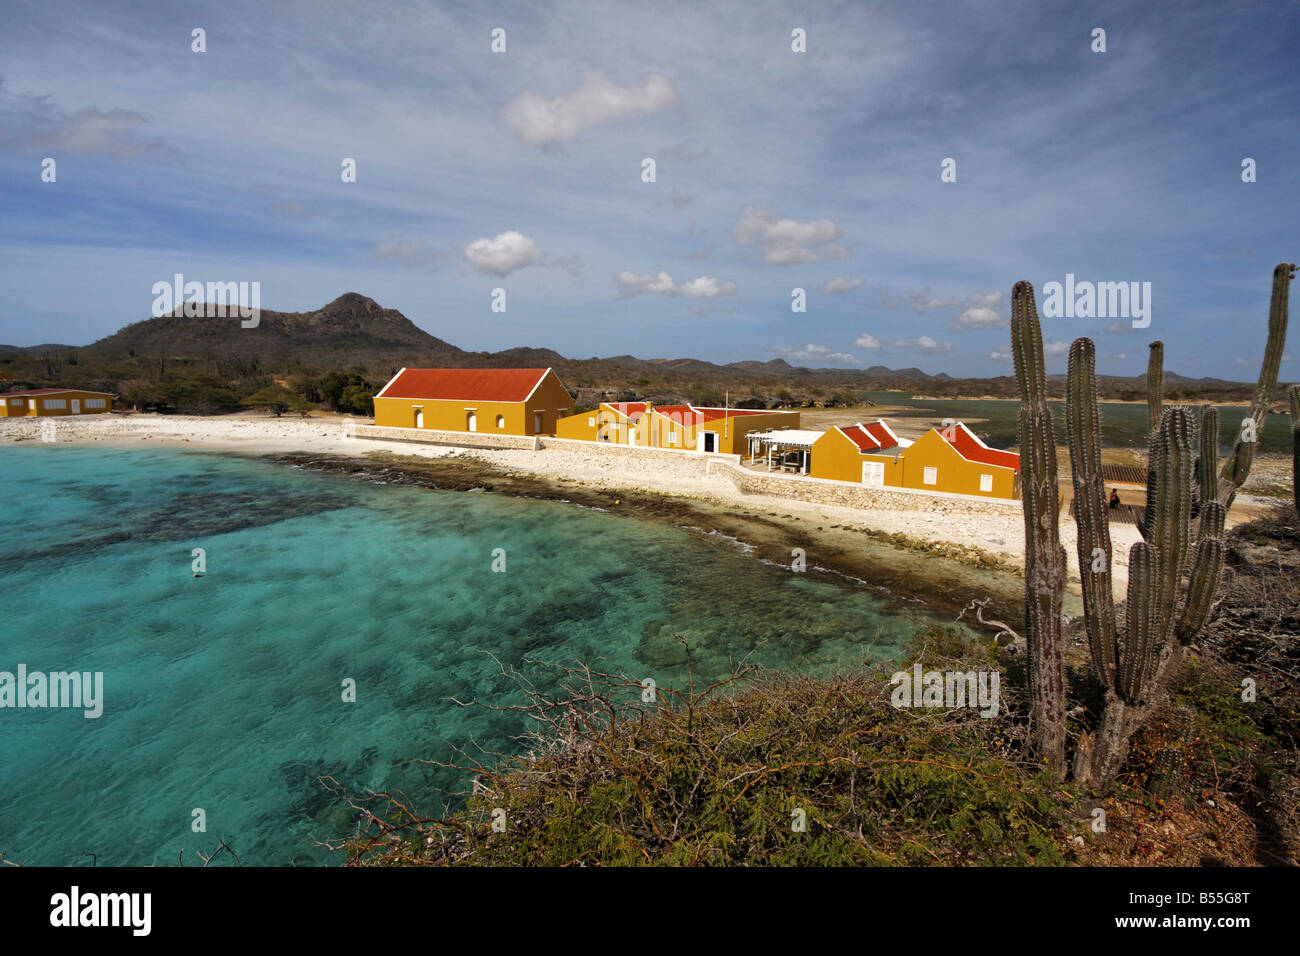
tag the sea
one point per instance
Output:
(261, 630)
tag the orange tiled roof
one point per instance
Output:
(972, 449)
(465, 384)
(51, 391)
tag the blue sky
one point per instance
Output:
(774, 170)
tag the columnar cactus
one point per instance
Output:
(1207, 465)
(1083, 431)
(1155, 385)
(1044, 556)
(1132, 662)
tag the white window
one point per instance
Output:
(986, 482)
(931, 475)
(94, 403)
(591, 423)
(16, 401)
(56, 403)
(501, 421)
(672, 438)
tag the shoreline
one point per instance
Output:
(942, 556)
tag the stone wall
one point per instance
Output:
(428, 436)
(828, 492)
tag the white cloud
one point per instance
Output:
(817, 353)
(1119, 328)
(999, 356)
(838, 284)
(924, 343)
(708, 287)
(503, 255)
(923, 301)
(544, 121)
(921, 343)
(661, 283)
(38, 125)
(1055, 349)
(978, 317)
(785, 241)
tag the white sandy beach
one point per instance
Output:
(932, 520)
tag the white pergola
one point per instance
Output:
(798, 439)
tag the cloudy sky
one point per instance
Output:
(774, 170)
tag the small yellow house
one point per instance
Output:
(42, 402)
(867, 453)
(683, 427)
(495, 401)
(949, 460)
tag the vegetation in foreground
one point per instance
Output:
(716, 775)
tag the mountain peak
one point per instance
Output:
(352, 302)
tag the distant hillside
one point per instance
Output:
(356, 334)
(352, 328)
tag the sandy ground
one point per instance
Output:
(931, 520)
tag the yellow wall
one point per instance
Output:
(662, 430)
(24, 409)
(835, 456)
(665, 431)
(954, 474)
(577, 427)
(550, 399)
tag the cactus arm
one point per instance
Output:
(1171, 510)
(1207, 466)
(1207, 567)
(1135, 663)
(1155, 385)
(1092, 529)
(1237, 467)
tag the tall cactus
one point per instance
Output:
(1155, 385)
(1207, 465)
(1183, 492)
(1044, 556)
(1083, 432)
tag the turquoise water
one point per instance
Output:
(223, 692)
(1122, 425)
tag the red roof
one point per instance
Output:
(51, 391)
(687, 415)
(465, 384)
(972, 449)
(869, 438)
(860, 437)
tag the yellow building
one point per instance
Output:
(683, 427)
(494, 401)
(870, 454)
(950, 460)
(42, 402)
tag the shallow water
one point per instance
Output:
(223, 692)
